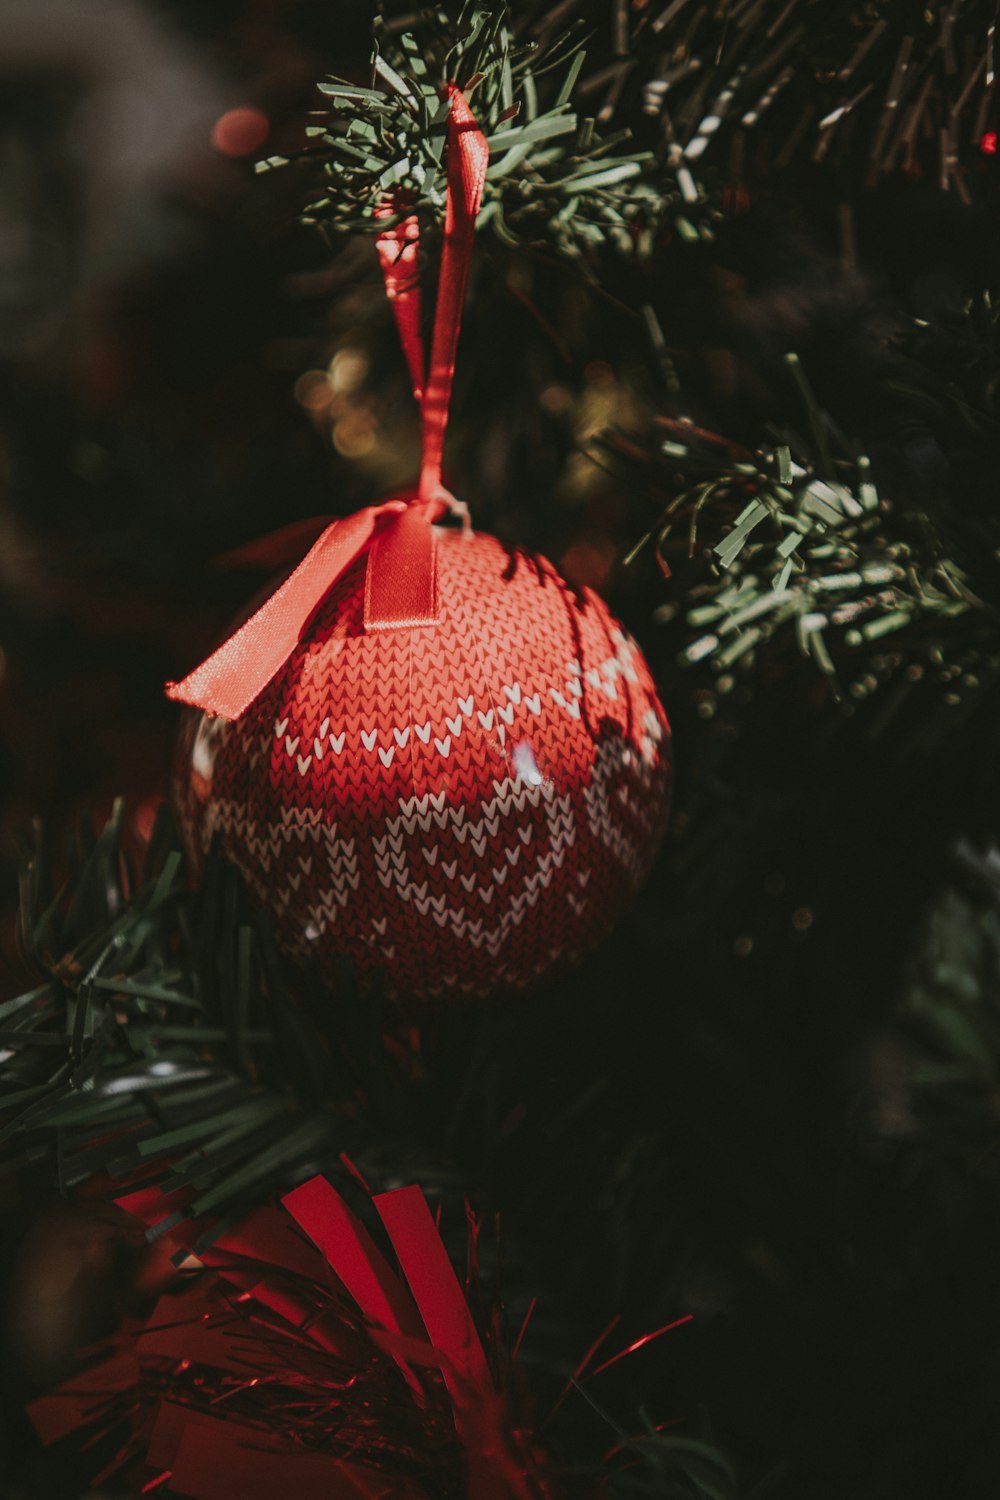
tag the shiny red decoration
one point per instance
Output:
(463, 805)
(300, 1361)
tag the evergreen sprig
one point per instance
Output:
(876, 85)
(163, 1044)
(800, 547)
(952, 998)
(553, 176)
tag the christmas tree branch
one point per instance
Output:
(886, 86)
(553, 175)
(163, 1040)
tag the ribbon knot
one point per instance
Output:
(401, 574)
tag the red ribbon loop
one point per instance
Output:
(468, 158)
(401, 581)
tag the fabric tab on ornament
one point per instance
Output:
(401, 576)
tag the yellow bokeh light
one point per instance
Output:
(348, 369)
(354, 435)
(313, 390)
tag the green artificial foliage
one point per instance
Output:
(160, 1039)
(791, 549)
(952, 1000)
(555, 178)
(870, 87)
(808, 551)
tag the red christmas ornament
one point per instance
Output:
(443, 761)
(461, 804)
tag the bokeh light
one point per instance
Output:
(348, 369)
(241, 131)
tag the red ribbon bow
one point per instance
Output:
(400, 582)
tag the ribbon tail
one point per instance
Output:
(278, 549)
(397, 253)
(229, 680)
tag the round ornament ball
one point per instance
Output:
(465, 805)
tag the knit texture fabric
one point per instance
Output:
(463, 805)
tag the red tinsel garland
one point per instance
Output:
(301, 1361)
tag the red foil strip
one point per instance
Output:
(237, 1383)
